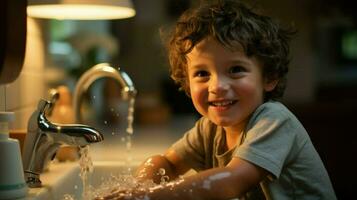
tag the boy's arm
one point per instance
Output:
(152, 167)
(227, 182)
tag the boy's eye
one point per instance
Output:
(236, 69)
(201, 73)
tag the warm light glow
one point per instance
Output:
(79, 12)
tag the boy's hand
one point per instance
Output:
(114, 196)
(122, 195)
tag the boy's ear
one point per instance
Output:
(270, 85)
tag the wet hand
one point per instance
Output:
(121, 195)
(115, 195)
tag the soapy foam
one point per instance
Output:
(207, 183)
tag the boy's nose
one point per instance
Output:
(218, 85)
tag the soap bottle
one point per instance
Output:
(12, 181)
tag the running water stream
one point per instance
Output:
(130, 132)
(125, 181)
(86, 168)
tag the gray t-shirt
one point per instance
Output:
(273, 140)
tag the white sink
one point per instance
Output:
(63, 179)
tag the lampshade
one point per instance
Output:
(80, 9)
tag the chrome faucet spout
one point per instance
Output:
(44, 138)
(76, 131)
(100, 71)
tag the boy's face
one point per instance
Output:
(225, 86)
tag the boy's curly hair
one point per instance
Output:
(234, 25)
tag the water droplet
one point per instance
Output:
(164, 179)
(128, 145)
(130, 130)
(149, 163)
(162, 171)
(68, 197)
(105, 122)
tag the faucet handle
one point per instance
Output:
(33, 121)
(46, 106)
(43, 105)
(54, 95)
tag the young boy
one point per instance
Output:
(233, 62)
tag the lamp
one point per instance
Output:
(80, 9)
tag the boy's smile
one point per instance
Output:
(225, 86)
(223, 104)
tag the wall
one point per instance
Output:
(23, 94)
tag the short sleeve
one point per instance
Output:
(270, 138)
(192, 147)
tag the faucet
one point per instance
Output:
(100, 71)
(44, 138)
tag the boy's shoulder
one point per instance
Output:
(273, 110)
(272, 107)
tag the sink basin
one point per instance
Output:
(62, 179)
